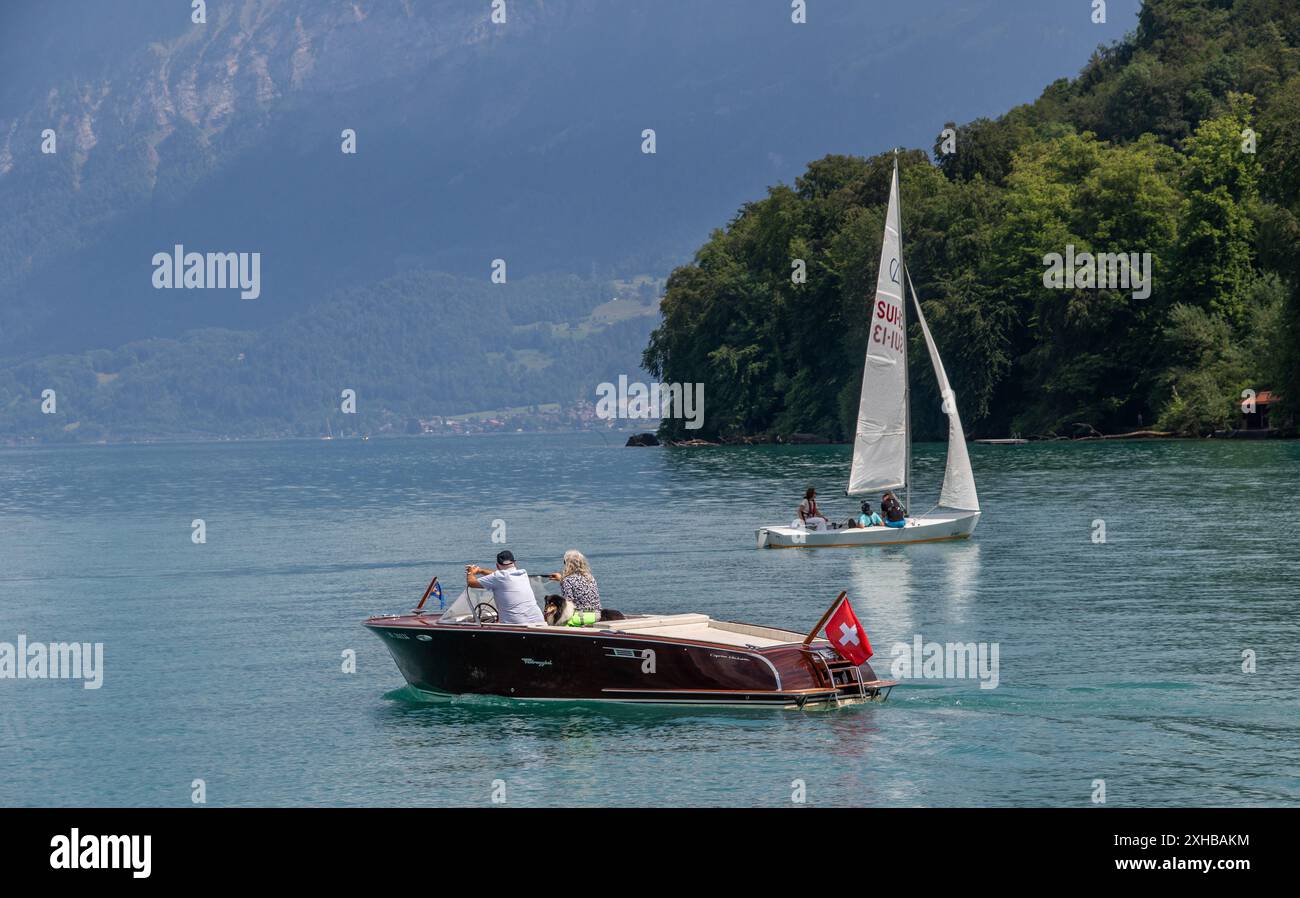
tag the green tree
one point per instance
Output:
(1221, 185)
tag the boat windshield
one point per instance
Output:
(461, 611)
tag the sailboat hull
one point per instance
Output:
(934, 527)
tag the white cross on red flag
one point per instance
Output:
(847, 635)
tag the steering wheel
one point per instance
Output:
(484, 613)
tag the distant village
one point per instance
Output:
(548, 417)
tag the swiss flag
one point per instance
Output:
(847, 635)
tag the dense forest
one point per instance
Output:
(1182, 141)
(415, 345)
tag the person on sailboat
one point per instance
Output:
(895, 513)
(868, 518)
(810, 514)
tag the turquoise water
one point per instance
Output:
(223, 662)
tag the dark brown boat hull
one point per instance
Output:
(586, 665)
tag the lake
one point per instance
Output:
(1119, 661)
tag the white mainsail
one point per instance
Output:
(958, 480)
(880, 448)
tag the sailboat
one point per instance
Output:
(882, 447)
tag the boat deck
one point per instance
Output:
(701, 627)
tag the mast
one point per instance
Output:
(907, 374)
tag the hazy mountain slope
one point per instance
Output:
(475, 141)
(417, 344)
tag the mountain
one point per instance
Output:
(475, 141)
(414, 345)
(1176, 147)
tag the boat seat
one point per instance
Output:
(648, 621)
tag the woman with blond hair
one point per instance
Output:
(579, 588)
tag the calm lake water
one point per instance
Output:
(1120, 661)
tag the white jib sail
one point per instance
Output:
(880, 445)
(958, 480)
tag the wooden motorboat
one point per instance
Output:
(675, 659)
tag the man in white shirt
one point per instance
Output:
(510, 590)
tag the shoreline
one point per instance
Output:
(1137, 436)
(621, 435)
(32, 443)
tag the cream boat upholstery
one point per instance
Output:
(701, 627)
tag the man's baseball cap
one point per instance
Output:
(505, 556)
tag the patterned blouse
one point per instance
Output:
(581, 591)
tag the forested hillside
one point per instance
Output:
(415, 345)
(1183, 140)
